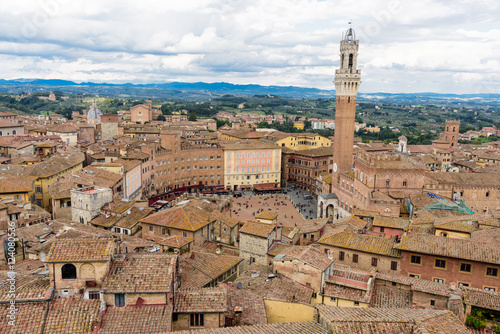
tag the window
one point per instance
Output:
(356, 303)
(489, 289)
(440, 263)
(404, 183)
(491, 271)
(184, 234)
(414, 276)
(355, 258)
(387, 183)
(394, 265)
(374, 261)
(465, 267)
(197, 320)
(415, 259)
(150, 228)
(94, 295)
(433, 302)
(38, 190)
(463, 284)
(119, 299)
(68, 271)
(341, 255)
(443, 234)
(438, 280)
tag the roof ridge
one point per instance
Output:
(185, 214)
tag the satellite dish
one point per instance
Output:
(239, 285)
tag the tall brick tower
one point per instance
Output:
(347, 80)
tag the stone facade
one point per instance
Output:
(254, 248)
(109, 126)
(87, 202)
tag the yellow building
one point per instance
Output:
(251, 162)
(67, 132)
(47, 172)
(17, 187)
(299, 125)
(304, 141)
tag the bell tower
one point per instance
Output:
(347, 80)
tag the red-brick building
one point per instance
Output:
(448, 260)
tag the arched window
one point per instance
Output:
(404, 183)
(14, 132)
(387, 182)
(68, 271)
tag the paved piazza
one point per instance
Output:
(286, 206)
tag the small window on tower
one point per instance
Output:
(351, 58)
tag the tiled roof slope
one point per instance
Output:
(141, 273)
(187, 217)
(259, 229)
(202, 268)
(482, 298)
(305, 327)
(29, 318)
(309, 255)
(361, 242)
(355, 320)
(206, 300)
(78, 250)
(253, 307)
(450, 247)
(146, 319)
(278, 288)
(72, 315)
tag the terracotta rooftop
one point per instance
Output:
(141, 273)
(256, 228)
(32, 282)
(175, 241)
(267, 215)
(307, 254)
(253, 308)
(346, 292)
(255, 279)
(145, 319)
(72, 315)
(481, 298)
(189, 217)
(449, 247)
(202, 268)
(313, 225)
(361, 242)
(81, 250)
(206, 300)
(391, 222)
(355, 320)
(305, 327)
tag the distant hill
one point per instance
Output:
(203, 91)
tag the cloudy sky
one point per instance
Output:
(405, 46)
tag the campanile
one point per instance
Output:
(347, 80)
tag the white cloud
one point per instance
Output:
(410, 46)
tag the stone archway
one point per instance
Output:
(87, 270)
(330, 209)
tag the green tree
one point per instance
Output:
(161, 118)
(192, 117)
